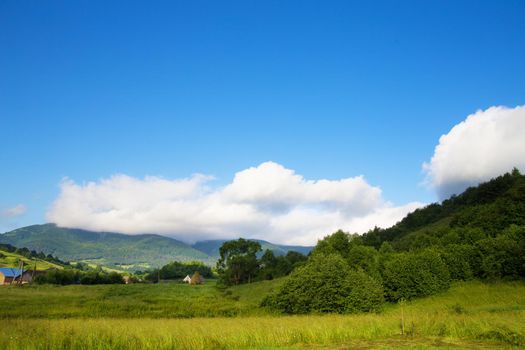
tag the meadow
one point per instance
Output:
(163, 300)
(471, 315)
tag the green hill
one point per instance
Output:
(489, 208)
(12, 259)
(211, 247)
(134, 252)
(120, 251)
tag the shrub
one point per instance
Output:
(409, 275)
(501, 257)
(365, 258)
(327, 284)
(365, 293)
(460, 260)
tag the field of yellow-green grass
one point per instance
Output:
(471, 315)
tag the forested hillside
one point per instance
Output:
(489, 207)
(479, 234)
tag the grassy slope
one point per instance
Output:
(137, 251)
(8, 259)
(471, 315)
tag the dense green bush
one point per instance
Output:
(409, 275)
(365, 258)
(326, 283)
(365, 293)
(462, 261)
(337, 243)
(502, 257)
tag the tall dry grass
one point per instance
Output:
(471, 315)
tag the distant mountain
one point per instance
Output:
(117, 250)
(211, 247)
(134, 252)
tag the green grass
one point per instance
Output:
(173, 300)
(8, 259)
(164, 300)
(470, 315)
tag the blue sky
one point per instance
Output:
(332, 90)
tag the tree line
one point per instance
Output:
(25, 252)
(177, 270)
(75, 276)
(342, 275)
(241, 261)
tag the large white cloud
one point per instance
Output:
(486, 144)
(269, 202)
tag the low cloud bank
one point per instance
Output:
(268, 201)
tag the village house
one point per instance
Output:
(9, 275)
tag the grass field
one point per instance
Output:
(164, 300)
(471, 315)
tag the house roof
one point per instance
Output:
(10, 272)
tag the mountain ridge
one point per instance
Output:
(118, 250)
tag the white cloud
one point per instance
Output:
(17, 210)
(269, 202)
(486, 144)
